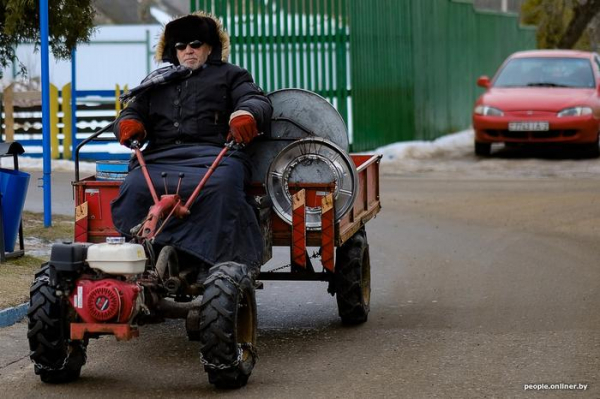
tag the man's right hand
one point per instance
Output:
(129, 130)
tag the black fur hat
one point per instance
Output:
(197, 26)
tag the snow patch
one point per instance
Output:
(452, 145)
(57, 165)
(452, 154)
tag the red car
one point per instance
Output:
(540, 96)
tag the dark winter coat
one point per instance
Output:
(197, 109)
(187, 121)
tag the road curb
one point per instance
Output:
(10, 316)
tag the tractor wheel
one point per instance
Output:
(483, 149)
(57, 359)
(228, 325)
(353, 279)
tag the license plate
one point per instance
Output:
(528, 126)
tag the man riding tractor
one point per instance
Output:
(186, 122)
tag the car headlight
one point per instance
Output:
(575, 111)
(488, 111)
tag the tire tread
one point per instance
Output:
(218, 324)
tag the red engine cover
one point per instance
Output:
(105, 300)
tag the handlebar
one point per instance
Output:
(169, 204)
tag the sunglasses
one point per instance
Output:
(182, 46)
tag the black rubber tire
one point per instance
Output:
(353, 279)
(592, 150)
(227, 320)
(49, 334)
(483, 149)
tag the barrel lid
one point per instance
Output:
(312, 160)
(112, 166)
(297, 114)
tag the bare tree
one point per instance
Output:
(583, 13)
(562, 23)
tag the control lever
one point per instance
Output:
(164, 177)
(181, 176)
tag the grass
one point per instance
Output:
(33, 226)
(17, 274)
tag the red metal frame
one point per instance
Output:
(327, 232)
(94, 223)
(298, 247)
(123, 332)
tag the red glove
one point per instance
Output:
(129, 130)
(242, 129)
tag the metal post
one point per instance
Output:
(74, 142)
(46, 182)
(2, 249)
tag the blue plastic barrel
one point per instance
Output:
(111, 170)
(13, 188)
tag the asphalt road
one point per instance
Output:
(479, 287)
(61, 193)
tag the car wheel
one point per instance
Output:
(592, 150)
(483, 149)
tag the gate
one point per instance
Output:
(289, 43)
(395, 69)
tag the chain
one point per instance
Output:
(278, 268)
(223, 276)
(65, 361)
(43, 278)
(47, 368)
(315, 255)
(46, 279)
(240, 348)
(246, 345)
(251, 348)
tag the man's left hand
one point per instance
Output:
(243, 127)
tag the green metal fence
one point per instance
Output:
(395, 69)
(289, 43)
(415, 64)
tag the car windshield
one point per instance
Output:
(546, 72)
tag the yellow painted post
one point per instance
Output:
(54, 150)
(117, 102)
(67, 117)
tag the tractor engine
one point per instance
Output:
(110, 299)
(101, 284)
(106, 301)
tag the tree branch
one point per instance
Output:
(583, 13)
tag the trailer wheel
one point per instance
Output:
(353, 279)
(228, 325)
(57, 359)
